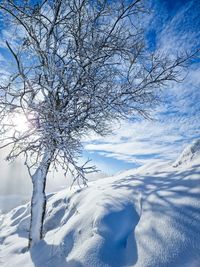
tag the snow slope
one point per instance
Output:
(189, 154)
(149, 217)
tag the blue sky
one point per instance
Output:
(174, 25)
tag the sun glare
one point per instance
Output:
(20, 122)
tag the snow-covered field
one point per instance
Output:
(144, 217)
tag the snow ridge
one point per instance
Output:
(189, 154)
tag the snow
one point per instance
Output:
(143, 217)
(10, 201)
(190, 153)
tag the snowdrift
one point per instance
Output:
(144, 217)
(189, 154)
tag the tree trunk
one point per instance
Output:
(38, 201)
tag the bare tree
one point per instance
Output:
(80, 65)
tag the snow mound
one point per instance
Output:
(189, 154)
(148, 217)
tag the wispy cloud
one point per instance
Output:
(176, 121)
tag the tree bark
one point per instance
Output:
(38, 201)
